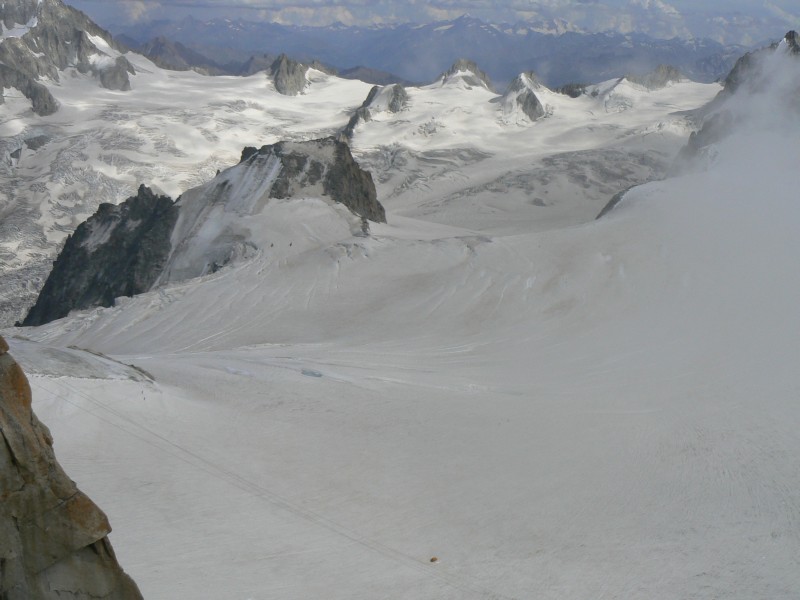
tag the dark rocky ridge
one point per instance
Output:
(363, 114)
(343, 180)
(57, 39)
(793, 42)
(399, 98)
(42, 100)
(288, 75)
(530, 105)
(353, 185)
(573, 90)
(53, 538)
(521, 91)
(124, 250)
(118, 251)
(747, 70)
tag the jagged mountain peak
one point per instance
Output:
(288, 75)
(526, 80)
(792, 41)
(391, 98)
(290, 194)
(520, 98)
(466, 72)
(43, 39)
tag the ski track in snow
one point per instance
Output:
(552, 407)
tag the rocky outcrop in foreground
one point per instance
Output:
(53, 538)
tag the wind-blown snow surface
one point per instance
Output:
(607, 410)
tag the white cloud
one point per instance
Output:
(315, 15)
(137, 10)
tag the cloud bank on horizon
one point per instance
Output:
(749, 21)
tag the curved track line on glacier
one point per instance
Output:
(232, 478)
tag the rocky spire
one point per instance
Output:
(288, 75)
(521, 96)
(53, 538)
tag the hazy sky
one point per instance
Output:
(589, 14)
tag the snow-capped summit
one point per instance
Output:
(465, 73)
(391, 98)
(45, 38)
(520, 97)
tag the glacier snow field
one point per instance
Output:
(550, 406)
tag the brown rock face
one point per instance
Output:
(53, 540)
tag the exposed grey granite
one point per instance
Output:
(53, 538)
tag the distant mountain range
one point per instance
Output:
(418, 53)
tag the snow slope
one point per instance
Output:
(605, 410)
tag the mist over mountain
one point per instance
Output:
(421, 52)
